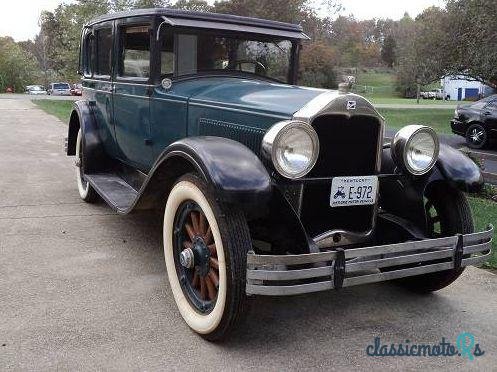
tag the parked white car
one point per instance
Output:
(35, 90)
(433, 94)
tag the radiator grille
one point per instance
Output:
(348, 147)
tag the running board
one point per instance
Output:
(114, 190)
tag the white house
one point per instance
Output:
(460, 87)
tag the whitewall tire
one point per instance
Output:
(205, 247)
(86, 191)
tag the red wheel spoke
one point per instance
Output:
(214, 278)
(208, 236)
(190, 231)
(195, 280)
(195, 222)
(210, 288)
(212, 249)
(187, 245)
(214, 263)
(202, 224)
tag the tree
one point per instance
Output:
(17, 67)
(388, 51)
(196, 5)
(472, 47)
(318, 66)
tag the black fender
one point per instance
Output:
(235, 173)
(403, 194)
(458, 170)
(94, 154)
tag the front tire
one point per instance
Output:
(86, 191)
(448, 214)
(476, 136)
(205, 249)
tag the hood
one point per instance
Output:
(252, 95)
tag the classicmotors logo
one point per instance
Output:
(465, 346)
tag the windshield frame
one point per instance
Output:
(292, 63)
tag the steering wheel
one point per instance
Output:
(238, 64)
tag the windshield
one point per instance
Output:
(211, 53)
(61, 86)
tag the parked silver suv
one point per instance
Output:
(59, 89)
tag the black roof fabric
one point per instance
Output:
(201, 16)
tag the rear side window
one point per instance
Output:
(103, 51)
(135, 52)
(61, 86)
(87, 55)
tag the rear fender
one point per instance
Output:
(94, 155)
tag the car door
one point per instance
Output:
(489, 117)
(99, 82)
(132, 91)
(169, 101)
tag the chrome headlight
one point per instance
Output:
(415, 149)
(292, 147)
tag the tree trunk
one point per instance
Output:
(418, 91)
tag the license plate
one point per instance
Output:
(348, 191)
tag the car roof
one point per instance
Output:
(186, 18)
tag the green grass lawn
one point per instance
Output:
(412, 101)
(485, 212)
(375, 84)
(60, 109)
(438, 119)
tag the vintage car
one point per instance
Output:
(266, 187)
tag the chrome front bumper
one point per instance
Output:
(273, 275)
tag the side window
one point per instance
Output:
(187, 54)
(167, 54)
(135, 52)
(88, 55)
(103, 51)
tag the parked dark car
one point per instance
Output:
(266, 188)
(477, 122)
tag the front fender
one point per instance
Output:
(234, 172)
(402, 194)
(458, 170)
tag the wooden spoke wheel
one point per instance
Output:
(205, 249)
(196, 257)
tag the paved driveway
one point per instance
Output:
(84, 289)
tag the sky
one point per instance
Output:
(19, 18)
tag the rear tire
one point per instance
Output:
(210, 295)
(86, 191)
(448, 214)
(476, 136)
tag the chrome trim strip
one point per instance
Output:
(117, 82)
(238, 110)
(131, 95)
(98, 90)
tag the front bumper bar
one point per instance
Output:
(283, 275)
